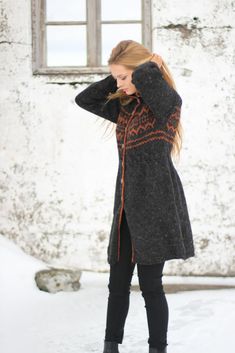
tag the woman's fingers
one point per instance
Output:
(157, 59)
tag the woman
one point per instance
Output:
(150, 217)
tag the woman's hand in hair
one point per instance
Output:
(157, 59)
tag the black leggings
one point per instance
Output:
(150, 282)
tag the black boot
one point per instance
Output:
(155, 350)
(111, 347)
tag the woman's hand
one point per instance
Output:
(157, 59)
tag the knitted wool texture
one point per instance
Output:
(148, 186)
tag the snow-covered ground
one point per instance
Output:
(32, 321)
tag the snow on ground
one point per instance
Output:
(32, 321)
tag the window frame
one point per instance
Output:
(93, 37)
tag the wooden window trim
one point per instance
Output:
(93, 38)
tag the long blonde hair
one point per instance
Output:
(131, 54)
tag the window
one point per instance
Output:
(77, 36)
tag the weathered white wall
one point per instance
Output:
(198, 38)
(58, 172)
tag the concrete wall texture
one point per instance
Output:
(58, 168)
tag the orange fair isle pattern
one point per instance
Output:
(144, 127)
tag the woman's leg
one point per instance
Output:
(150, 281)
(119, 288)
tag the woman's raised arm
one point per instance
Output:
(155, 91)
(94, 99)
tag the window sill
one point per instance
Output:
(54, 70)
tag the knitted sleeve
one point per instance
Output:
(94, 99)
(155, 91)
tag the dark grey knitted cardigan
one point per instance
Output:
(147, 186)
